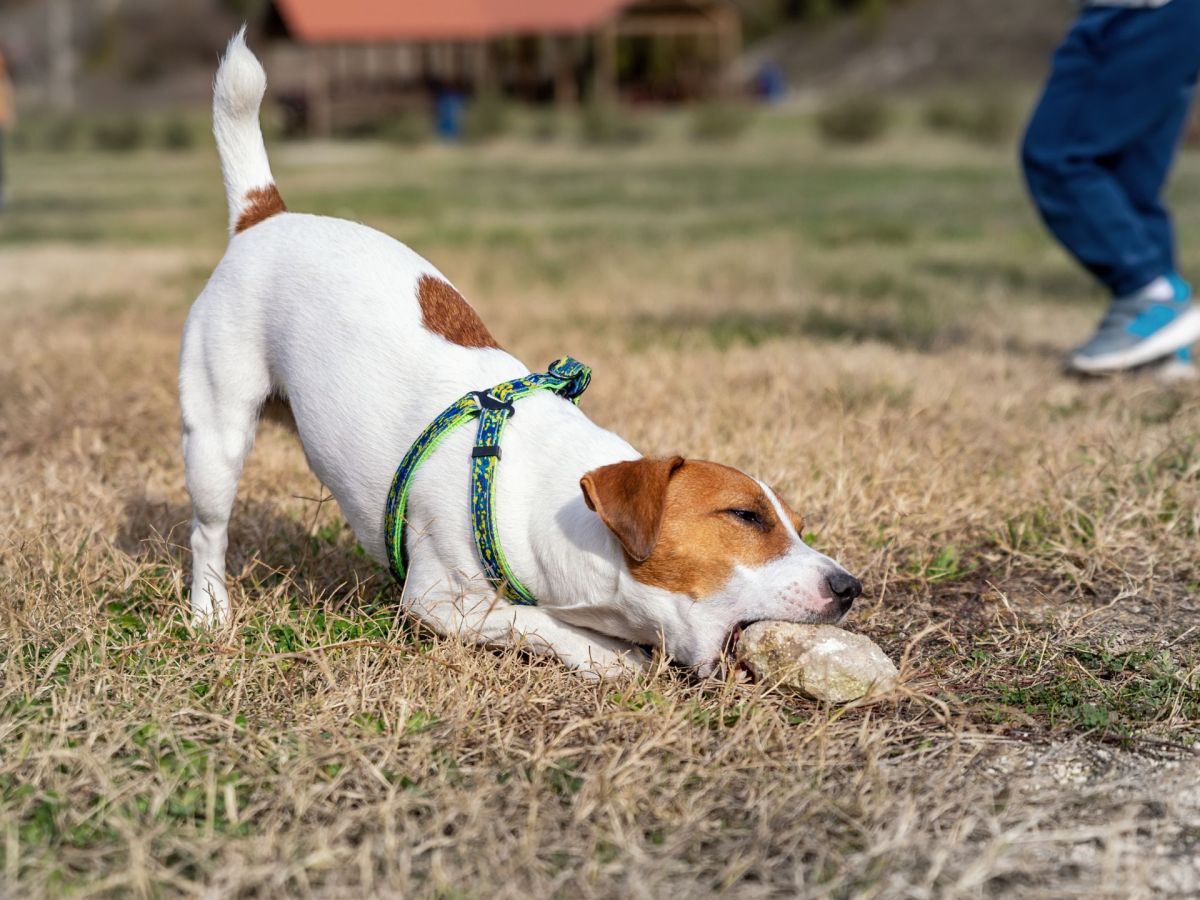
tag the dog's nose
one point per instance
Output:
(844, 587)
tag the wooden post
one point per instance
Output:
(562, 61)
(729, 39)
(604, 83)
(60, 28)
(371, 62)
(319, 91)
(482, 58)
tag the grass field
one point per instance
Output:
(876, 331)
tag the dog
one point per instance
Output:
(367, 343)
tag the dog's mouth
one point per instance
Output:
(733, 638)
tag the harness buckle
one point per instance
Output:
(574, 375)
(485, 450)
(486, 401)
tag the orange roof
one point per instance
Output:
(383, 20)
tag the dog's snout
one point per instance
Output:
(844, 587)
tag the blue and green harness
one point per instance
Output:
(493, 408)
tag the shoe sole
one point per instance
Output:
(1175, 372)
(1182, 332)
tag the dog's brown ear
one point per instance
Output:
(630, 498)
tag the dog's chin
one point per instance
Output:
(833, 617)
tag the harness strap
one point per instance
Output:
(566, 377)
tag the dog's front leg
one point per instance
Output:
(590, 653)
(469, 610)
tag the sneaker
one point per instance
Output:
(1179, 366)
(1152, 324)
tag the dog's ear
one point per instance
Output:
(630, 498)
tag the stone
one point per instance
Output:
(821, 661)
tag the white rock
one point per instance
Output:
(822, 661)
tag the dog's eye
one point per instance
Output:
(749, 516)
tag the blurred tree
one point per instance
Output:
(107, 43)
(60, 35)
(874, 13)
(819, 10)
(763, 17)
(247, 9)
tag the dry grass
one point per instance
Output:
(877, 335)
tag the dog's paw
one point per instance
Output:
(209, 616)
(603, 664)
(209, 604)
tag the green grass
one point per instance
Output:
(1119, 696)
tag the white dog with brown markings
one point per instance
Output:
(367, 343)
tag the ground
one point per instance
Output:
(876, 331)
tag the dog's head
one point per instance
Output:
(711, 549)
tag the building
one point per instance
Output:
(337, 62)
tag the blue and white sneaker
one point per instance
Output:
(1152, 324)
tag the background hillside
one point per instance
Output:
(920, 43)
(138, 53)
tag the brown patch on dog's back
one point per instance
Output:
(261, 203)
(446, 313)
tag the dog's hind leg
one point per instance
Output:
(220, 396)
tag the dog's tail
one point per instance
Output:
(237, 95)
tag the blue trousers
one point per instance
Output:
(1101, 141)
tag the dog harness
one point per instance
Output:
(494, 407)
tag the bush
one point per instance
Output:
(177, 134)
(408, 129)
(485, 118)
(405, 127)
(721, 121)
(986, 119)
(57, 135)
(546, 126)
(944, 114)
(874, 13)
(996, 121)
(853, 120)
(119, 135)
(359, 130)
(607, 123)
(820, 11)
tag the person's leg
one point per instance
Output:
(1096, 155)
(1143, 167)
(1142, 170)
(1117, 79)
